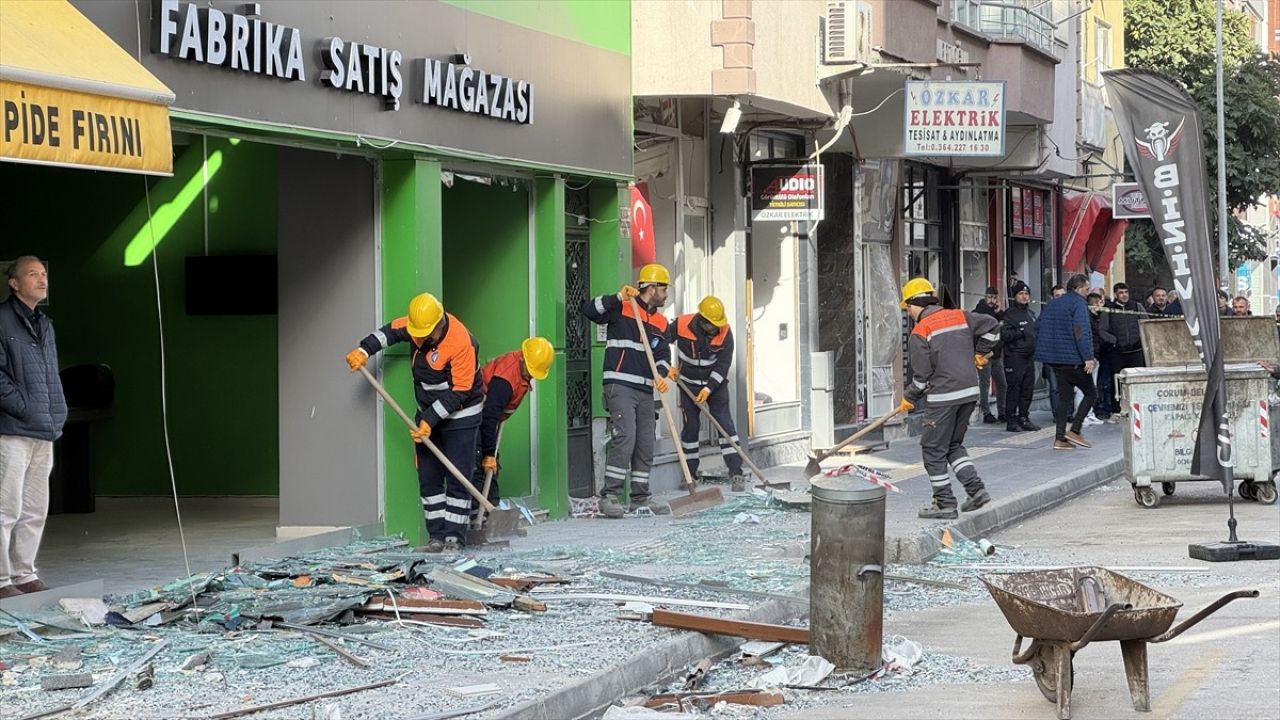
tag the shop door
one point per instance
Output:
(577, 348)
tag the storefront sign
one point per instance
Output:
(1128, 201)
(954, 118)
(786, 192)
(951, 54)
(74, 129)
(250, 44)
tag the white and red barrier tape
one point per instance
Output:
(1264, 420)
(865, 473)
(1137, 421)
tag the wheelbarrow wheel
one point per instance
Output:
(1265, 493)
(1046, 677)
(1168, 487)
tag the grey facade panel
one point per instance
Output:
(328, 440)
(582, 95)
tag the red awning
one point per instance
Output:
(1091, 235)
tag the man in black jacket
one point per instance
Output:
(1018, 336)
(994, 370)
(1119, 331)
(32, 413)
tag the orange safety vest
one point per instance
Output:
(508, 367)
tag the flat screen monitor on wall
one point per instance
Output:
(231, 285)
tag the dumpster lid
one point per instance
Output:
(845, 488)
(1192, 373)
(1167, 342)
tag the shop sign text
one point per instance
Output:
(954, 118)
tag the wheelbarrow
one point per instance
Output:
(1064, 610)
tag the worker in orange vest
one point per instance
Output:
(450, 397)
(507, 379)
(704, 351)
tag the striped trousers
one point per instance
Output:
(942, 444)
(718, 404)
(445, 503)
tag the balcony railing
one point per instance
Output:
(1027, 20)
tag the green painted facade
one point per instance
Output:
(604, 24)
(92, 230)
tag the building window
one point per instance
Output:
(1029, 20)
(967, 12)
(1101, 48)
(974, 242)
(1030, 226)
(922, 223)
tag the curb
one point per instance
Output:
(924, 544)
(593, 694)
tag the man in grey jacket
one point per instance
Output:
(32, 412)
(945, 349)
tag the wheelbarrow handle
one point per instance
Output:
(1098, 625)
(1211, 609)
(1021, 658)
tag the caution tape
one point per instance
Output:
(863, 472)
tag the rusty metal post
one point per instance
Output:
(846, 558)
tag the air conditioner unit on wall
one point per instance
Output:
(847, 32)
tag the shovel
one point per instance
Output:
(457, 474)
(478, 523)
(724, 434)
(814, 467)
(696, 499)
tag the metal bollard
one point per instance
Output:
(846, 561)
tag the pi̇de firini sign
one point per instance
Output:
(249, 44)
(954, 119)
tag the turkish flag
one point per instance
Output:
(642, 248)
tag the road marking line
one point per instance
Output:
(1187, 683)
(1226, 633)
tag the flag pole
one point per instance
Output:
(1224, 265)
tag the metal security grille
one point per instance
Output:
(577, 350)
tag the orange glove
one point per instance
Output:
(489, 464)
(627, 292)
(422, 433)
(660, 384)
(703, 394)
(357, 359)
(905, 406)
(979, 361)
(674, 372)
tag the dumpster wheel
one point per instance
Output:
(1146, 497)
(1168, 487)
(1248, 490)
(1265, 492)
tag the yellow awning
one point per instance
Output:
(70, 96)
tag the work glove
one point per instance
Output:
(905, 406)
(979, 360)
(703, 394)
(357, 359)
(422, 433)
(660, 384)
(489, 464)
(674, 372)
(627, 292)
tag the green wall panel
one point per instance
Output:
(549, 273)
(486, 286)
(222, 371)
(605, 24)
(610, 266)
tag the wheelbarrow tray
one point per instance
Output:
(1043, 605)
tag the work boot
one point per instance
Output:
(989, 419)
(452, 545)
(610, 508)
(1013, 427)
(655, 507)
(937, 512)
(737, 483)
(975, 501)
(1075, 438)
(435, 546)
(1027, 425)
(9, 591)
(1063, 444)
(31, 587)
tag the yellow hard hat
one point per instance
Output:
(654, 273)
(713, 311)
(538, 356)
(915, 287)
(425, 313)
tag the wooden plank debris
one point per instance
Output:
(143, 612)
(726, 626)
(445, 620)
(332, 634)
(430, 607)
(568, 597)
(475, 690)
(341, 651)
(516, 658)
(758, 698)
(298, 701)
(528, 604)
